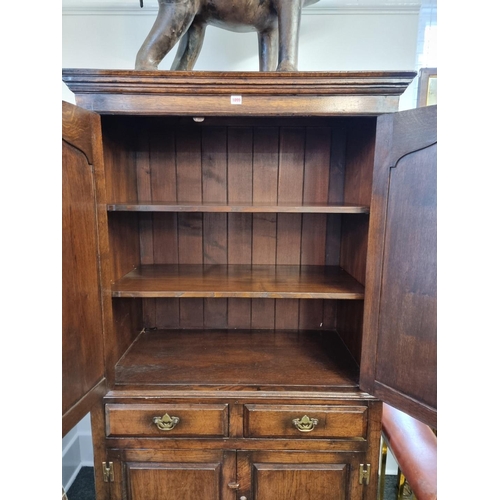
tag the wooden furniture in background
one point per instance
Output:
(258, 266)
(427, 87)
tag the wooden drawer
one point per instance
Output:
(187, 420)
(332, 421)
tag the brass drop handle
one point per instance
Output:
(166, 423)
(233, 486)
(305, 424)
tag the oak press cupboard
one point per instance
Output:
(249, 271)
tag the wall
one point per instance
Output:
(331, 39)
(76, 451)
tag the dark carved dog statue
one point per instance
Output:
(276, 22)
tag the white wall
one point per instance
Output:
(330, 39)
(76, 451)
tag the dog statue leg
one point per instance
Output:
(173, 19)
(289, 13)
(189, 48)
(268, 50)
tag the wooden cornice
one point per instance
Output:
(208, 93)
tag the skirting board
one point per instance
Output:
(77, 451)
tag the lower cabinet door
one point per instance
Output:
(173, 475)
(238, 475)
(299, 476)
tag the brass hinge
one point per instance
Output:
(364, 473)
(108, 472)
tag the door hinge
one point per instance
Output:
(364, 473)
(108, 472)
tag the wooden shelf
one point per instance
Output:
(148, 206)
(274, 360)
(250, 281)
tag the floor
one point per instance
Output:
(83, 486)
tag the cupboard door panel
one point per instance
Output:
(399, 349)
(147, 474)
(82, 330)
(300, 482)
(278, 475)
(150, 481)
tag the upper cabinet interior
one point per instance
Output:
(225, 220)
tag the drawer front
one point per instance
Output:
(167, 420)
(305, 421)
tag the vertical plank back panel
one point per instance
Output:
(291, 165)
(265, 164)
(240, 189)
(189, 225)
(163, 177)
(178, 161)
(289, 227)
(335, 193)
(265, 183)
(144, 192)
(289, 230)
(214, 179)
(239, 164)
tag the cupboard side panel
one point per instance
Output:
(124, 147)
(125, 153)
(360, 151)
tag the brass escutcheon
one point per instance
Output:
(166, 423)
(305, 424)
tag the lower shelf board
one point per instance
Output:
(253, 359)
(249, 281)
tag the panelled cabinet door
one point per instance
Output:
(173, 475)
(398, 363)
(82, 335)
(275, 475)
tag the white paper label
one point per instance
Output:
(236, 99)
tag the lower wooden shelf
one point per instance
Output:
(239, 359)
(249, 281)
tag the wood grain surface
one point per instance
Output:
(254, 281)
(283, 359)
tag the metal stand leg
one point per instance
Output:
(383, 462)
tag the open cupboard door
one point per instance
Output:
(399, 356)
(83, 382)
